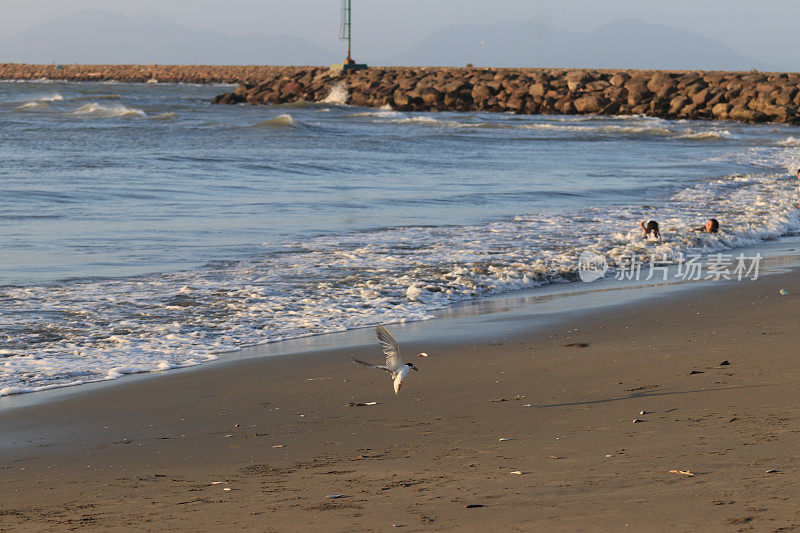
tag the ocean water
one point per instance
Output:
(144, 229)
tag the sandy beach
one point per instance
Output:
(528, 430)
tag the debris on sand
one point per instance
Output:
(515, 398)
(688, 473)
(577, 345)
(336, 496)
(693, 372)
(473, 506)
(643, 387)
(360, 404)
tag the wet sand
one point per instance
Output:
(280, 433)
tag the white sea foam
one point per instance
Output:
(95, 110)
(561, 126)
(103, 329)
(338, 95)
(33, 106)
(789, 141)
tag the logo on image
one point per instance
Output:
(591, 266)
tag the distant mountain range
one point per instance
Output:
(107, 37)
(621, 44)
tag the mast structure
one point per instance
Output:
(345, 28)
(346, 34)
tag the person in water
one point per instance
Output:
(650, 227)
(712, 226)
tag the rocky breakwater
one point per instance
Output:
(145, 73)
(742, 96)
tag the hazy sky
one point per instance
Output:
(765, 30)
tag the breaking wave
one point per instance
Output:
(89, 330)
(281, 121)
(95, 110)
(338, 95)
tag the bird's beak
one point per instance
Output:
(415, 368)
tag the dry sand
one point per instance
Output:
(159, 453)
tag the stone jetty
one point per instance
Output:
(752, 97)
(702, 95)
(144, 73)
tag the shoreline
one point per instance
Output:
(546, 304)
(279, 433)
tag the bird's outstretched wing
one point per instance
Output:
(379, 367)
(390, 348)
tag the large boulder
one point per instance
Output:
(228, 98)
(243, 89)
(400, 99)
(538, 89)
(619, 79)
(577, 79)
(658, 81)
(481, 93)
(589, 103)
(702, 97)
(720, 111)
(678, 103)
(516, 101)
(431, 97)
(637, 92)
(747, 115)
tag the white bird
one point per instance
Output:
(394, 363)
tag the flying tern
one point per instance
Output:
(394, 363)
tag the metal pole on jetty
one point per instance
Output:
(346, 34)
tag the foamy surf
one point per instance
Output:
(664, 129)
(95, 110)
(103, 329)
(33, 106)
(338, 95)
(363, 219)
